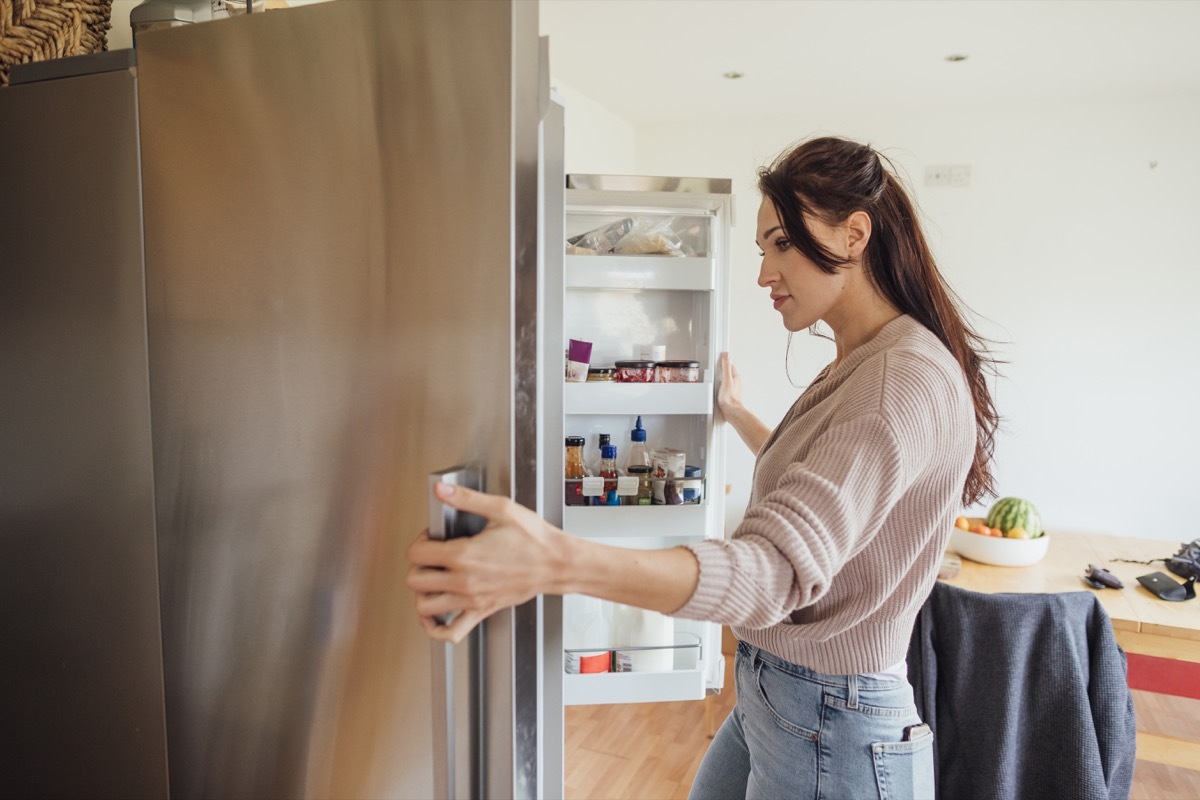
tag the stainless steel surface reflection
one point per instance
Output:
(329, 249)
(80, 663)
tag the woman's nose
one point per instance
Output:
(766, 277)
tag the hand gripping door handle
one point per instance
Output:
(448, 523)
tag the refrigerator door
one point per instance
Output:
(340, 214)
(80, 661)
(622, 304)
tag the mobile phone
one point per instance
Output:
(914, 732)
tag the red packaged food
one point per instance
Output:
(634, 372)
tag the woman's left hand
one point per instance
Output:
(516, 557)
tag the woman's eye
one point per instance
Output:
(779, 244)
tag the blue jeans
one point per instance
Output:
(797, 734)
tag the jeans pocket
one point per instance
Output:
(904, 770)
(792, 705)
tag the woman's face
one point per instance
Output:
(800, 291)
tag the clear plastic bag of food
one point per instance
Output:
(650, 236)
(600, 240)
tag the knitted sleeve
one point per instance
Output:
(792, 543)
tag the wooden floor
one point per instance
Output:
(641, 751)
(650, 751)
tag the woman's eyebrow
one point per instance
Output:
(768, 233)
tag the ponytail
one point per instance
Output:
(830, 178)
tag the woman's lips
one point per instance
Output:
(779, 301)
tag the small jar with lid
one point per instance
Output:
(645, 494)
(634, 372)
(596, 374)
(575, 472)
(678, 372)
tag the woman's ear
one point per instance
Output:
(858, 233)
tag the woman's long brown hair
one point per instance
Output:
(830, 178)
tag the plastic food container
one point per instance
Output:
(600, 374)
(678, 372)
(667, 465)
(692, 485)
(634, 372)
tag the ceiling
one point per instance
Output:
(656, 61)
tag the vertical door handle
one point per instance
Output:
(448, 523)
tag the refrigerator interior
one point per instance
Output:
(619, 303)
(617, 322)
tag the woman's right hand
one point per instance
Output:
(753, 430)
(729, 392)
(519, 555)
(516, 557)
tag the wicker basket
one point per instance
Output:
(39, 30)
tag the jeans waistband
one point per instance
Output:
(851, 683)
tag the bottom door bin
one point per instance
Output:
(685, 681)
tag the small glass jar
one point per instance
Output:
(634, 372)
(645, 495)
(575, 472)
(692, 486)
(678, 372)
(599, 374)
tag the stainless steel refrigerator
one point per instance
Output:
(255, 285)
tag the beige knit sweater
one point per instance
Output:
(854, 497)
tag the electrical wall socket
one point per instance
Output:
(937, 176)
(956, 175)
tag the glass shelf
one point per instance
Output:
(619, 522)
(610, 397)
(641, 272)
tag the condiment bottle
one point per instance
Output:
(594, 463)
(608, 471)
(638, 452)
(575, 472)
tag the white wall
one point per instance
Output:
(120, 35)
(1074, 253)
(598, 142)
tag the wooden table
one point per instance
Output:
(1155, 634)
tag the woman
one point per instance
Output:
(854, 496)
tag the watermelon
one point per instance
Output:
(1013, 512)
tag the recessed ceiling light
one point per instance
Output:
(953, 57)
(733, 75)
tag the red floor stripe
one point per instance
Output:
(1164, 675)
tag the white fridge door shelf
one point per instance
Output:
(605, 397)
(641, 272)
(619, 522)
(634, 687)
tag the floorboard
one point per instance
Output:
(651, 751)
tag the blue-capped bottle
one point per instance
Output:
(639, 454)
(608, 471)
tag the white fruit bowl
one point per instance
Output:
(1000, 552)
